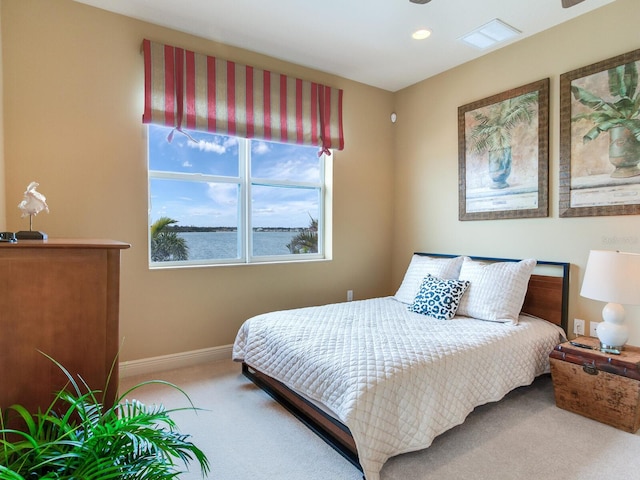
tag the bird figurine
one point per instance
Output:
(33, 203)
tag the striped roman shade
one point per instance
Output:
(188, 90)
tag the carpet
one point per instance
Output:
(247, 436)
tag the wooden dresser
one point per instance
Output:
(60, 297)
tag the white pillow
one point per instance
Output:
(421, 266)
(496, 291)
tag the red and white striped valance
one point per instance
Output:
(188, 90)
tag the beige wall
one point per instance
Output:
(72, 109)
(426, 200)
(73, 85)
(3, 222)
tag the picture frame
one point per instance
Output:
(599, 155)
(503, 155)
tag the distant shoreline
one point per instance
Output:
(186, 229)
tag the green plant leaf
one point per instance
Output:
(592, 101)
(495, 123)
(7, 474)
(623, 111)
(623, 80)
(76, 438)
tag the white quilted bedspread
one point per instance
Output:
(397, 379)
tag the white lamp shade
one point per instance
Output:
(612, 277)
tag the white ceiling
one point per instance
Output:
(368, 41)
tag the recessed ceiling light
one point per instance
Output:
(421, 34)
(490, 34)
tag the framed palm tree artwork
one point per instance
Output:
(503, 155)
(600, 138)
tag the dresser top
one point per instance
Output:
(66, 243)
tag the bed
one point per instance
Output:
(384, 376)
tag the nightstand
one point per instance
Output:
(600, 386)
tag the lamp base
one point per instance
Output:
(31, 235)
(613, 333)
(615, 349)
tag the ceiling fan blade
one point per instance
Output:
(570, 3)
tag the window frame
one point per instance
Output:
(245, 229)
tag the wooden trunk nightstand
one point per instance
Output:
(600, 386)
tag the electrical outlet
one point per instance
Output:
(593, 327)
(349, 295)
(578, 326)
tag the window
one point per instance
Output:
(216, 199)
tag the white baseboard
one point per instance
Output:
(175, 360)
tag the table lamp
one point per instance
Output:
(612, 277)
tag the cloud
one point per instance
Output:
(205, 146)
(260, 148)
(284, 207)
(223, 194)
(206, 213)
(219, 144)
(291, 168)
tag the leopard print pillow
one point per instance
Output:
(439, 298)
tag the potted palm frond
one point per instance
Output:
(620, 117)
(76, 437)
(493, 133)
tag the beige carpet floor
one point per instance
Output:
(247, 436)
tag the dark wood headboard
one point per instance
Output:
(547, 296)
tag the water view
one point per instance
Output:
(219, 245)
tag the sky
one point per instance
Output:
(214, 201)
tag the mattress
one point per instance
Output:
(395, 378)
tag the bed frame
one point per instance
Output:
(547, 297)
